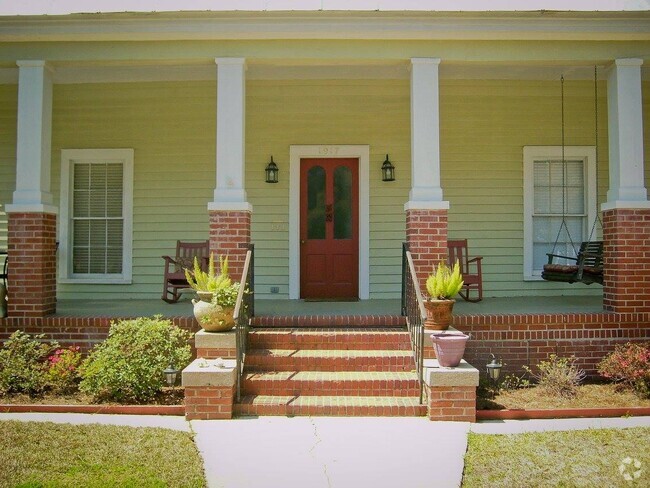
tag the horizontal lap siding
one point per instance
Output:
(8, 110)
(484, 126)
(282, 113)
(171, 128)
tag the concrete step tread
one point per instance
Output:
(338, 376)
(329, 353)
(305, 400)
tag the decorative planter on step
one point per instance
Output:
(439, 314)
(449, 348)
(211, 317)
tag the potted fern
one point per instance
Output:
(217, 295)
(441, 286)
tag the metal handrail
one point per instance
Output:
(413, 309)
(244, 310)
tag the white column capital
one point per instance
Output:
(628, 62)
(230, 61)
(435, 61)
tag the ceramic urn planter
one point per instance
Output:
(211, 317)
(449, 348)
(439, 314)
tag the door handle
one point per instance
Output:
(302, 241)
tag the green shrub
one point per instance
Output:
(128, 366)
(63, 370)
(559, 376)
(629, 365)
(23, 365)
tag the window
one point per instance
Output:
(555, 189)
(96, 215)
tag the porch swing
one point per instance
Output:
(588, 267)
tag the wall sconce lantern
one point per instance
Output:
(170, 375)
(387, 170)
(494, 368)
(272, 172)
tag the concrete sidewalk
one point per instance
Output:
(333, 452)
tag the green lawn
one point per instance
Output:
(589, 458)
(44, 454)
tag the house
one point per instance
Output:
(122, 132)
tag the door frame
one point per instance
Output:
(329, 151)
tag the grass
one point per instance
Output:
(588, 458)
(588, 396)
(45, 454)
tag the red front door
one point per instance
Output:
(329, 228)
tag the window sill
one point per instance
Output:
(533, 278)
(95, 281)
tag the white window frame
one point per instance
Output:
(535, 153)
(68, 156)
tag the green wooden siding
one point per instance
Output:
(171, 127)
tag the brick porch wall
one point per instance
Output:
(626, 234)
(32, 264)
(84, 332)
(527, 339)
(426, 234)
(230, 234)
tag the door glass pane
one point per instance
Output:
(342, 203)
(316, 203)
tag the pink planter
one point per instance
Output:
(449, 348)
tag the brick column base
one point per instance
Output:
(209, 389)
(209, 402)
(32, 264)
(626, 287)
(230, 234)
(450, 392)
(452, 403)
(426, 234)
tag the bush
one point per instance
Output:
(128, 366)
(629, 365)
(23, 365)
(63, 370)
(558, 376)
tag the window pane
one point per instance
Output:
(97, 240)
(342, 203)
(316, 203)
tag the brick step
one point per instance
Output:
(328, 360)
(352, 338)
(330, 406)
(328, 321)
(347, 383)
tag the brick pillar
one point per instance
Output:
(32, 264)
(626, 233)
(230, 234)
(426, 234)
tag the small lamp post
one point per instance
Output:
(387, 170)
(271, 172)
(170, 375)
(494, 368)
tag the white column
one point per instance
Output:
(426, 191)
(624, 107)
(229, 192)
(34, 139)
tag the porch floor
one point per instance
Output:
(489, 306)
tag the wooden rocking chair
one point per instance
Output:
(457, 249)
(175, 280)
(588, 268)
